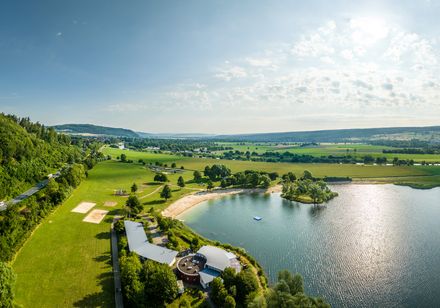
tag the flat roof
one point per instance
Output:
(138, 243)
(217, 258)
(208, 275)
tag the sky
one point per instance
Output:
(221, 66)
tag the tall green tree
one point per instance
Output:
(160, 282)
(7, 283)
(134, 188)
(166, 192)
(181, 182)
(134, 204)
(197, 176)
(209, 185)
(130, 278)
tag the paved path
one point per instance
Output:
(116, 273)
(29, 192)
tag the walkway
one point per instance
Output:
(116, 273)
(29, 192)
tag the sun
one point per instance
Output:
(368, 30)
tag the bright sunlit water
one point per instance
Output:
(374, 245)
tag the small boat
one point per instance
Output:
(258, 218)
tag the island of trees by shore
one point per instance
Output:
(306, 189)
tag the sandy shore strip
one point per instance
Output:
(189, 201)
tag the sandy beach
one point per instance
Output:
(188, 201)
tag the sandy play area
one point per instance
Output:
(95, 216)
(83, 207)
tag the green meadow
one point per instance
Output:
(335, 149)
(66, 262)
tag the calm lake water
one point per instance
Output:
(373, 246)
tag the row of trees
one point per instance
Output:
(247, 179)
(305, 158)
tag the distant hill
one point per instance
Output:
(95, 130)
(429, 133)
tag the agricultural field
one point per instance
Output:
(335, 149)
(385, 174)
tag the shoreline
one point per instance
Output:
(189, 201)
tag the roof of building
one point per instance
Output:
(217, 258)
(208, 275)
(138, 243)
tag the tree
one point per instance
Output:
(166, 192)
(307, 175)
(229, 302)
(195, 244)
(7, 283)
(160, 177)
(197, 176)
(173, 165)
(160, 283)
(315, 193)
(218, 292)
(134, 204)
(265, 181)
(210, 185)
(131, 283)
(181, 182)
(229, 277)
(295, 283)
(273, 176)
(74, 175)
(123, 158)
(246, 283)
(134, 188)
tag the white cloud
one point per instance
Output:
(329, 69)
(230, 73)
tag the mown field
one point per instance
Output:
(326, 149)
(66, 262)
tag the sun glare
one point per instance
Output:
(368, 30)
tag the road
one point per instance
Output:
(116, 273)
(29, 192)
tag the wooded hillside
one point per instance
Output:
(29, 152)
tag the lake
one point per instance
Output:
(374, 245)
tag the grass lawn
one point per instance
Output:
(66, 262)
